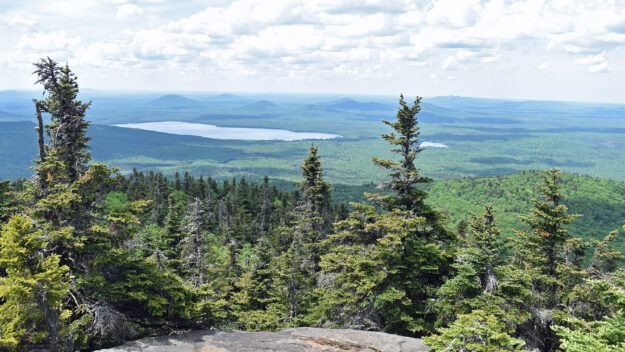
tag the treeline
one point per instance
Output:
(90, 258)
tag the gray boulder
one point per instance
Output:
(292, 340)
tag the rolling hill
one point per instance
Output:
(173, 101)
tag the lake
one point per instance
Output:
(217, 132)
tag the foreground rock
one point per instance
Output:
(293, 340)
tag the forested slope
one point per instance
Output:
(600, 202)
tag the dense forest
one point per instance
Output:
(90, 258)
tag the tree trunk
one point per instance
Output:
(52, 321)
(40, 140)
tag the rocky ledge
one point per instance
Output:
(292, 340)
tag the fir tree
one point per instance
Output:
(7, 203)
(478, 268)
(266, 208)
(194, 244)
(406, 252)
(476, 332)
(544, 253)
(67, 154)
(404, 175)
(315, 189)
(174, 222)
(33, 290)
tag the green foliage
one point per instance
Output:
(315, 188)
(32, 290)
(67, 155)
(381, 269)
(377, 273)
(146, 295)
(476, 331)
(482, 279)
(596, 319)
(7, 203)
(600, 201)
(404, 176)
(603, 336)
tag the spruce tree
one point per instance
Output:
(174, 223)
(544, 252)
(74, 276)
(297, 266)
(405, 251)
(32, 292)
(194, 244)
(404, 176)
(483, 296)
(7, 201)
(266, 208)
(315, 189)
(67, 154)
(477, 331)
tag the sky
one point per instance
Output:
(527, 49)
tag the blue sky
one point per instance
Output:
(528, 49)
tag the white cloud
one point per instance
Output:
(382, 41)
(453, 13)
(18, 20)
(591, 59)
(127, 10)
(41, 42)
(544, 66)
(599, 68)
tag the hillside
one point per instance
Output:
(600, 202)
(174, 101)
(351, 104)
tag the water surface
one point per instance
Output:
(216, 132)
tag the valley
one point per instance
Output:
(463, 137)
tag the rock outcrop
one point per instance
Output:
(292, 340)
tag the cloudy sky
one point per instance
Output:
(528, 49)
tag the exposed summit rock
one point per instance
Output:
(293, 340)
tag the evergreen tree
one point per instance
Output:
(404, 176)
(259, 306)
(296, 267)
(174, 222)
(545, 253)
(90, 258)
(377, 274)
(67, 154)
(7, 203)
(405, 252)
(194, 244)
(482, 279)
(476, 331)
(315, 189)
(33, 290)
(266, 208)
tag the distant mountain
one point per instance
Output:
(260, 105)
(351, 104)
(174, 101)
(227, 97)
(526, 107)
(8, 116)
